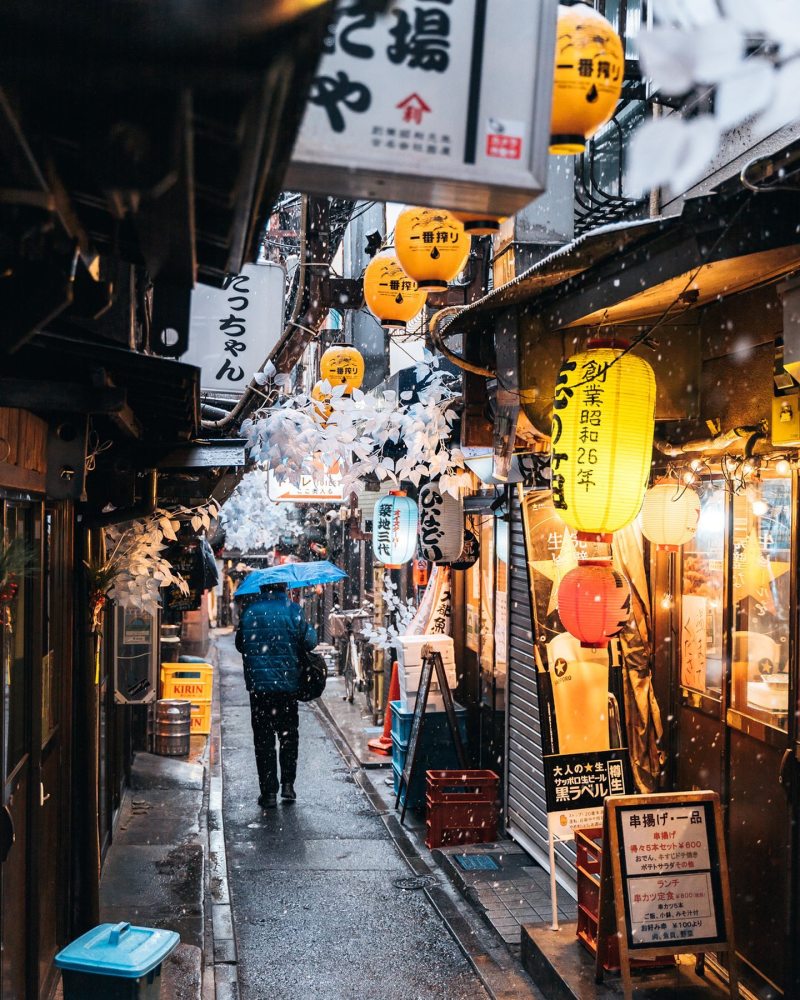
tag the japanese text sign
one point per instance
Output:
(433, 91)
(669, 866)
(233, 329)
(577, 786)
(309, 489)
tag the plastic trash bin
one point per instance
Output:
(116, 962)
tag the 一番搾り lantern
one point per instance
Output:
(670, 513)
(391, 296)
(394, 529)
(431, 245)
(342, 364)
(587, 82)
(602, 439)
(441, 525)
(594, 603)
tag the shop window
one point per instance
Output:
(701, 637)
(761, 595)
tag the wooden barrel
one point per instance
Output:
(173, 726)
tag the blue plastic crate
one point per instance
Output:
(435, 752)
(435, 729)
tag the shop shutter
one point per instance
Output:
(526, 807)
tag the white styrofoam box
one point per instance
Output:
(409, 668)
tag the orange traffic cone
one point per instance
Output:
(383, 744)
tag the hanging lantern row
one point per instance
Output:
(602, 439)
(594, 603)
(587, 82)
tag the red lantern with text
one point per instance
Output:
(594, 603)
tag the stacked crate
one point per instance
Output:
(435, 750)
(461, 807)
(192, 682)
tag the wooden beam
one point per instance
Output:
(46, 396)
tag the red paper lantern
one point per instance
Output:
(594, 603)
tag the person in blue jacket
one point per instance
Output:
(270, 632)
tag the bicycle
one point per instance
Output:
(355, 662)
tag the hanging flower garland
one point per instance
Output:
(251, 524)
(364, 434)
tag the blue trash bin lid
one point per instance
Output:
(118, 950)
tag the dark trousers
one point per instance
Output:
(274, 715)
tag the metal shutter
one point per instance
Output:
(526, 807)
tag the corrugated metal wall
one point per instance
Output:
(526, 808)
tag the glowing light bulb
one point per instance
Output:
(748, 468)
(667, 602)
(760, 508)
(689, 477)
(695, 465)
(782, 467)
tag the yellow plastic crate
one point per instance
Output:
(189, 681)
(201, 717)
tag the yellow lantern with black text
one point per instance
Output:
(342, 364)
(479, 223)
(391, 295)
(602, 439)
(587, 83)
(431, 245)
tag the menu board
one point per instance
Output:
(671, 874)
(664, 880)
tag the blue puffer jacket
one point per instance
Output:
(268, 635)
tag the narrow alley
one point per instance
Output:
(315, 907)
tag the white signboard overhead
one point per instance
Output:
(310, 489)
(436, 102)
(233, 329)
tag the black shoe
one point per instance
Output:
(268, 801)
(288, 793)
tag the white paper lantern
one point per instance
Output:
(670, 514)
(441, 525)
(394, 529)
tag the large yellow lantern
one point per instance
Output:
(589, 67)
(392, 297)
(342, 364)
(670, 514)
(602, 439)
(431, 245)
(479, 223)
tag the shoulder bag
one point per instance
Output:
(313, 671)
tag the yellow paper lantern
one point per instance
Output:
(342, 364)
(589, 67)
(321, 409)
(479, 223)
(392, 297)
(670, 513)
(602, 439)
(431, 245)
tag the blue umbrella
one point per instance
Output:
(303, 574)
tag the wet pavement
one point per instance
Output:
(315, 908)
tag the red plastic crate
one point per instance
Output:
(461, 807)
(462, 786)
